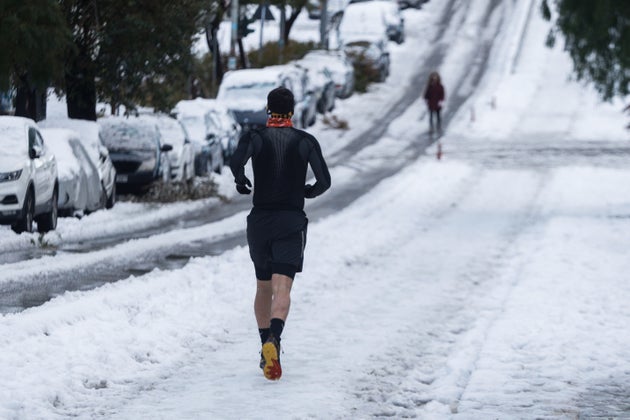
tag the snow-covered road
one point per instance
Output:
(492, 283)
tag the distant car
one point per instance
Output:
(218, 118)
(362, 21)
(137, 150)
(322, 84)
(394, 19)
(374, 51)
(245, 92)
(28, 177)
(305, 98)
(340, 67)
(204, 135)
(90, 137)
(182, 156)
(80, 188)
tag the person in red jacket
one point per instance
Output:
(434, 96)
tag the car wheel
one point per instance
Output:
(25, 222)
(112, 198)
(48, 221)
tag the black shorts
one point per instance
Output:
(276, 242)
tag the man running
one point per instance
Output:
(276, 226)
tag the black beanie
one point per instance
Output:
(280, 101)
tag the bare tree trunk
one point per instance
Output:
(30, 102)
(289, 23)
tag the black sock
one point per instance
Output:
(264, 334)
(276, 327)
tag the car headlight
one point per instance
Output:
(10, 176)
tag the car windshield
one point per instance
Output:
(125, 136)
(248, 90)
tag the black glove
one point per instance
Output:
(308, 191)
(242, 184)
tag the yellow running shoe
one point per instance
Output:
(271, 354)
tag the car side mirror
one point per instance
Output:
(166, 147)
(103, 152)
(34, 152)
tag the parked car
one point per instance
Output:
(90, 136)
(339, 65)
(374, 51)
(182, 156)
(137, 150)
(204, 135)
(28, 177)
(361, 20)
(394, 19)
(245, 92)
(218, 120)
(305, 98)
(80, 188)
(321, 83)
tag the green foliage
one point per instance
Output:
(33, 41)
(597, 37)
(272, 54)
(143, 46)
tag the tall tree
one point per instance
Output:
(33, 39)
(213, 18)
(127, 50)
(295, 7)
(597, 37)
(78, 83)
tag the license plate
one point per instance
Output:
(121, 178)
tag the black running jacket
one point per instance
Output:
(280, 159)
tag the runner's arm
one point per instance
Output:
(320, 170)
(243, 152)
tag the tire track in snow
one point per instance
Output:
(445, 338)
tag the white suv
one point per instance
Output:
(28, 177)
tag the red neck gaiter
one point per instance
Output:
(279, 122)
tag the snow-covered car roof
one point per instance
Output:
(362, 20)
(247, 89)
(87, 130)
(121, 133)
(58, 140)
(331, 62)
